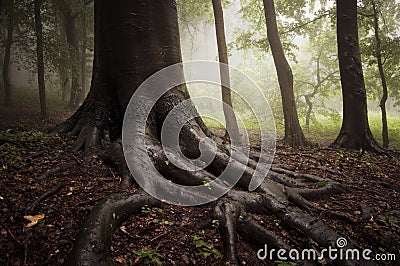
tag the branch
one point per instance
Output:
(364, 14)
(298, 26)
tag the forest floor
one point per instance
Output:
(171, 235)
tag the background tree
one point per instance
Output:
(9, 10)
(317, 73)
(40, 59)
(230, 117)
(379, 26)
(355, 132)
(293, 133)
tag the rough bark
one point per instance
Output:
(73, 43)
(355, 132)
(378, 55)
(133, 40)
(83, 56)
(7, 55)
(40, 59)
(230, 118)
(293, 133)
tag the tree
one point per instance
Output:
(230, 117)
(40, 59)
(382, 104)
(7, 52)
(355, 132)
(318, 75)
(133, 40)
(293, 133)
(72, 37)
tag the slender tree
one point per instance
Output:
(40, 58)
(378, 55)
(7, 53)
(293, 133)
(73, 42)
(355, 132)
(230, 117)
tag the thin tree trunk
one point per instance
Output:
(73, 43)
(293, 133)
(385, 133)
(40, 59)
(7, 56)
(83, 56)
(230, 118)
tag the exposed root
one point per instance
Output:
(54, 190)
(57, 169)
(93, 244)
(284, 193)
(228, 213)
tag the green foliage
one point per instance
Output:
(149, 256)
(205, 249)
(388, 20)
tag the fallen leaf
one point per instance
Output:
(33, 219)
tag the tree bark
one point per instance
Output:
(73, 43)
(230, 118)
(355, 132)
(83, 56)
(378, 55)
(293, 133)
(7, 55)
(40, 59)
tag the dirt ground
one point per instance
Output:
(170, 235)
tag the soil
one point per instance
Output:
(170, 235)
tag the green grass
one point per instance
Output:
(322, 128)
(325, 129)
(30, 98)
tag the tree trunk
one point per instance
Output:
(385, 133)
(355, 132)
(40, 59)
(230, 118)
(293, 133)
(7, 56)
(73, 43)
(83, 56)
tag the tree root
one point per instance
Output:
(93, 244)
(57, 169)
(284, 194)
(54, 190)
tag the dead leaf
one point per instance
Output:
(33, 219)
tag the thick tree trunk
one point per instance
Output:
(230, 118)
(385, 133)
(7, 56)
(355, 132)
(293, 133)
(40, 59)
(73, 43)
(116, 75)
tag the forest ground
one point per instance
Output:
(172, 235)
